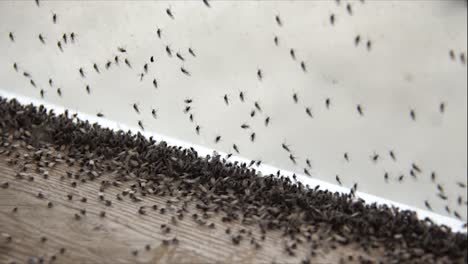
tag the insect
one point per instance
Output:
(257, 105)
(259, 162)
(285, 147)
(433, 176)
(293, 54)
(72, 36)
(155, 83)
(151, 59)
(159, 32)
(369, 45)
(184, 71)
(252, 137)
(116, 59)
(15, 66)
(141, 76)
(145, 68)
(206, 3)
(59, 92)
(426, 203)
(461, 184)
(327, 103)
(392, 155)
(191, 117)
(337, 178)
(292, 158)
(442, 107)
(412, 173)
(259, 74)
(413, 115)
(59, 44)
(197, 129)
(308, 163)
(457, 215)
(241, 96)
(128, 63)
(245, 126)
(332, 19)
(88, 90)
(252, 113)
(169, 13)
(447, 209)
(359, 109)
(96, 68)
(108, 64)
(276, 40)
(462, 58)
(357, 39)
(416, 167)
(452, 54)
(82, 72)
(99, 114)
(375, 157)
(12, 37)
(120, 49)
(217, 139)
(303, 66)
(401, 178)
(54, 18)
(42, 93)
(348, 7)
(228, 155)
(308, 112)
(32, 83)
(346, 157)
(226, 99)
(442, 196)
(267, 121)
(180, 56)
(386, 176)
(306, 172)
(41, 38)
(188, 101)
(278, 20)
(136, 108)
(190, 50)
(187, 109)
(235, 148)
(154, 113)
(140, 124)
(64, 37)
(26, 74)
(37, 2)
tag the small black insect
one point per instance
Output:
(442, 107)
(235, 148)
(278, 20)
(59, 44)
(252, 137)
(154, 113)
(116, 59)
(96, 68)
(99, 114)
(267, 121)
(155, 83)
(188, 101)
(357, 39)
(42, 92)
(259, 74)
(184, 71)
(217, 139)
(187, 109)
(59, 92)
(180, 56)
(306, 172)
(346, 157)
(332, 19)
(26, 74)
(375, 157)
(72, 36)
(191, 117)
(54, 18)
(303, 66)
(190, 50)
(108, 64)
(140, 124)
(37, 2)
(392, 155)
(135, 107)
(276, 40)
(206, 3)
(412, 174)
(433, 176)
(15, 66)
(462, 58)
(293, 54)
(285, 147)
(337, 178)
(416, 167)
(241, 96)
(229, 155)
(82, 72)
(197, 129)
(426, 203)
(461, 185)
(169, 13)
(457, 215)
(252, 113)
(145, 68)
(369, 45)
(226, 99)
(64, 37)
(41, 38)
(257, 105)
(245, 126)
(12, 37)
(413, 115)
(32, 83)
(401, 178)
(308, 111)
(348, 7)
(88, 90)
(151, 59)
(128, 63)
(159, 32)
(120, 49)
(359, 109)
(292, 158)
(327, 103)
(386, 176)
(295, 98)
(448, 209)
(308, 163)
(442, 196)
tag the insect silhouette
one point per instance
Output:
(197, 129)
(128, 63)
(42, 93)
(285, 147)
(37, 3)
(241, 96)
(15, 66)
(357, 39)
(191, 117)
(295, 98)
(145, 68)
(259, 74)
(187, 109)
(64, 37)
(308, 163)
(188, 101)
(180, 56)
(120, 49)
(252, 137)
(386, 176)
(159, 32)
(442, 107)
(59, 92)
(267, 121)
(303, 66)
(245, 126)
(278, 20)
(108, 64)
(141, 76)
(72, 36)
(257, 105)
(184, 71)
(32, 83)
(235, 148)
(26, 74)
(54, 18)
(369, 45)
(51, 82)
(226, 99)
(169, 13)
(88, 90)
(136, 108)
(154, 113)
(151, 59)
(428, 206)
(462, 58)
(327, 103)
(452, 54)
(400, 179)
(99, 114)
(96, 68)
(348, 8)
(359, 109)
(41, 38)
(413, 115)
(433, 176)
(375, 157)
(276, 40)
(306, 172)
(155, 83)
(217, 139)
(308, 111)
(292, 158)
(392, 155)
(346, 157)
(337, 178)
(116, 59)
(190, 50)
(59, 44)
(140, 124)
(416, 167)
(332, 19)
(252, 113)
(293, 54)
(12, 37)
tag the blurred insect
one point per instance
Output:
(151, 59)
(41, 38)
(184, 71)
(306, 172)
(64, 37)
(96, 68)
(228, 155)
(462, 58)
(416, 167)
(375, 157)
(308, 112)
(241, 96)
(187, 109)
(461, 184)
(413, 115)
(348, 7)
(259, 74)
(433, 176)
(59, 92)
(42, 93)
(252, 137)
(442, 196)
(140, 124)
(217, 139)
(159, 32)
(447, 209)
(26, 74)
(141, 76)
(154, 113)
(245, 126)
(37, 2)
(357, 39)
(169, 13)
(116, 59)
(190, 50)
(332, 19)
(369, 45)
(226, 99)
(267, 121)
(155, 83)
(206, 3)
(15, 66)
(278, 20)
(145, 68)
(337, 178)
(400, 179)
(108, 64)
(346, 156)
(308, 163)
(293, 54)
(457, 215)
(191, 117)
(51, 82)
(303, 66)
(188, 101)
(285, 147)
(99, 114)
(392, 155)
(252, 113)
(426, 203)
(128, 63)
(258, 163)
(295, 98)
(412, 174)
(235, 148)
(386, 176)
(88, 90)
(327, 103)
(54, 18)
(442, 107)
(276, 40)
(72, 36)
(180, 56)
(257, 105)
(452, 54)
(12, 37)
(292, 158)
(359, 109)
(460, 200)
(32, 83)
(136, 108)
(59, 44)
(197, 129)
(120, 49)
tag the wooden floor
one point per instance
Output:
(123, 234)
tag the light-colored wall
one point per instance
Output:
(408, 67)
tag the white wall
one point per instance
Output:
(408, 67)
